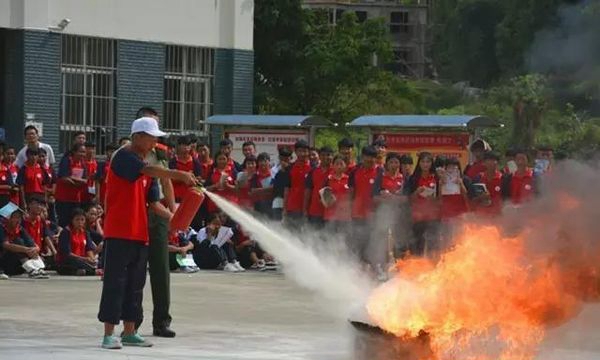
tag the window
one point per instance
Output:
(399, 22)
(361, 16)
(88, 68)
(189, 74)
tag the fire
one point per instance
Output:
(488, 298)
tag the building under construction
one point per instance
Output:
(408, 23)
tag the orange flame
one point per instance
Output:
(486, 298)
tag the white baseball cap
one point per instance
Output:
(147, 125)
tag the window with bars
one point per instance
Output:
(399, 22)
(189, 75)
(88, 67)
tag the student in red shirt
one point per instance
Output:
(131, 192)
(184, 161)
(337, 213)
(389, 184)
(346, 149)
(102, 172)
(293, 196)
(89, 193)
(242, 183)
(454, 200)
(313, 207)
(261, 186)
(76, 250)
(6, 181)
(206, 162)
(226, 147)
(522, 185)
(422, 188)
(490, 202)
(35, 225)
(478, 148)
(221, 181)
(362, 181)
(381, 148)
(32, 179)
(71, 183)
(51, 185)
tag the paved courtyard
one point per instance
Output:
(217, 316)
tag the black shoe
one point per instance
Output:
(164, 332)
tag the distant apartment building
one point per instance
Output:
(407, 21)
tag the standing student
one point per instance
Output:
(242, 183)
(422, 188)
(337, 211)
(206, 162)
(477, 148)
(489, 202)
(362, 180)
(71, 183)
(102, 172)
(6, 181)
(15, 195)
(314, 157)
(221, 181)
(314, 182)
(91, 168)
(281, 179)
(406, 166)
(32, 141)
(184, 161)
(76, 250)
(226, 147)
(381, 148)
(79, 137)
(261, 186)
(346, 150)
(454, 200)
(293, 196)
(522, 185)
(19, 252)
(50, 185)
(131, 192)
(32, 179)
(249, 149)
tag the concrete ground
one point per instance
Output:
(217, 316)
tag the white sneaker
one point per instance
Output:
(230, 268)
(238, 266)
(3, 276)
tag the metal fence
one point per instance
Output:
(189, 76)
(88, 68)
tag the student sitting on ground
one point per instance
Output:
(179, 246)
(19, 253)
(35, 225)
(76, 254)
(214, 248)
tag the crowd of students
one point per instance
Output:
(59, 220)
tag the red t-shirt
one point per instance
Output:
(475, 169)
(340, 210)
(228, 194)
(91, 168)
(522, 187)
(205, 168)
(101, 176)
(5, 179)
(392, 183)
(244, 193)
(73, 242)
(298, 173)
(14, 172)
(65, 192)
(35, 229)
(192, 166)
(453, 206)
(315, 182)
(362, 180)
(351, 167)
(425, 208)
(128, 192)
(33, 178)
(494, 187)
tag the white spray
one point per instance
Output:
(331, 274)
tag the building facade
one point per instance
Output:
(408, 27)
(73, 65)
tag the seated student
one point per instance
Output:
(93, 215)
(180, 244)
(261, 187)
(19, 252)
(521, 186)
(214, 248)
(35, 225)
(242, 183)
(337, 204)
(488, 201)
(32, 179)
(76, 255)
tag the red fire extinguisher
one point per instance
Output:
(192, 200)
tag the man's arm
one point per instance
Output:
(162, 173)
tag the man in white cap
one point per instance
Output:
(131, 189)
